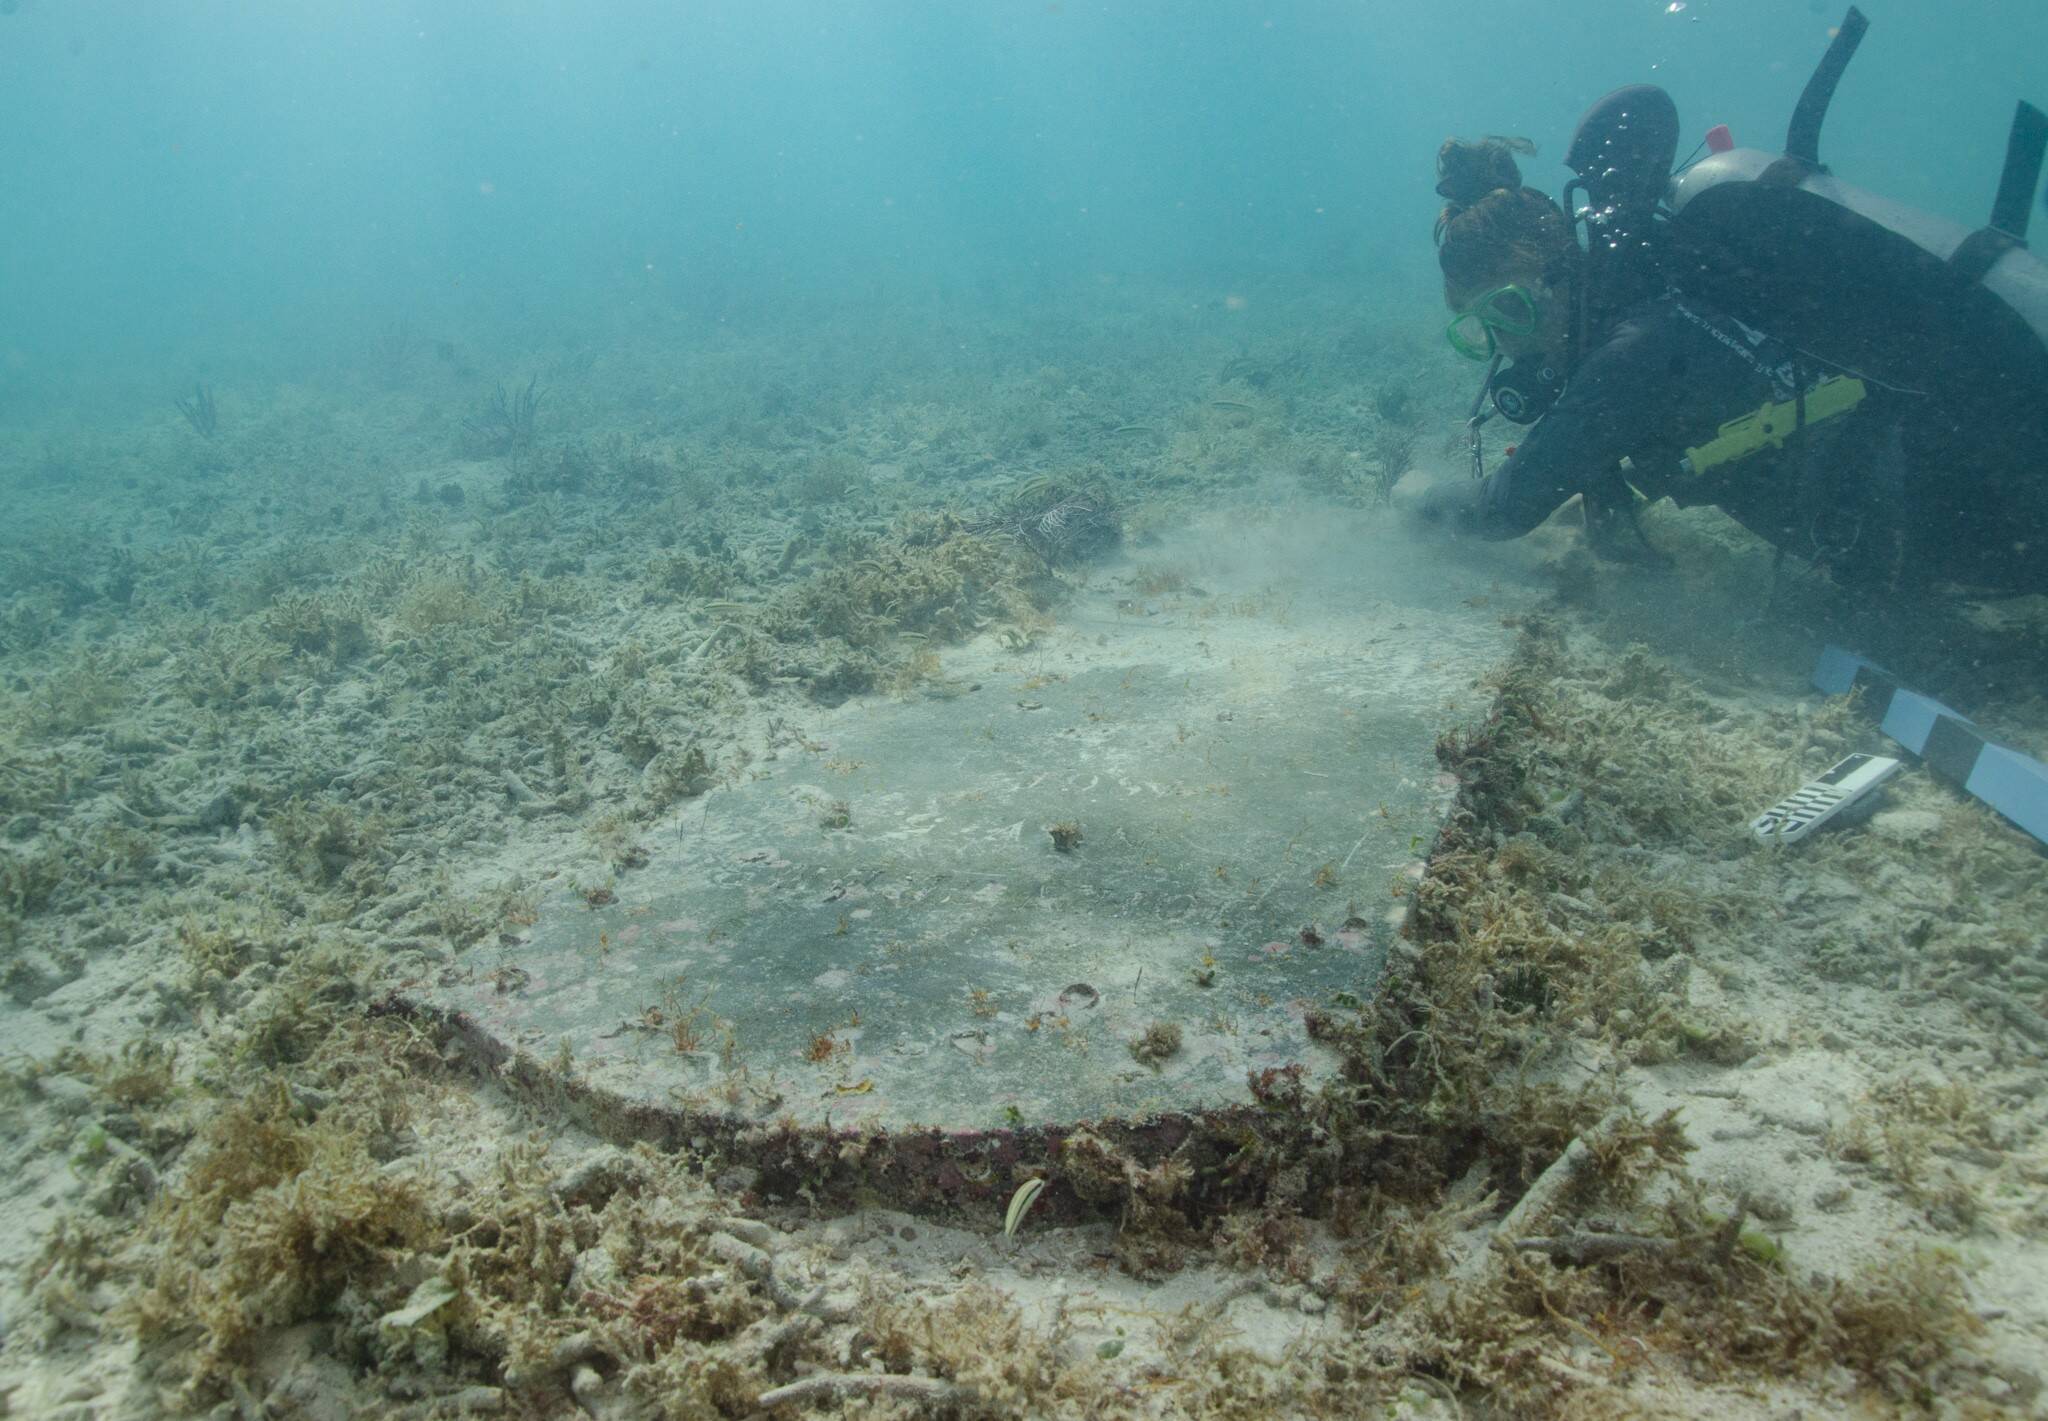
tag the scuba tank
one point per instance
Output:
(1861, 283)
(1855, 282)
(1951, 324)
(1621, 152)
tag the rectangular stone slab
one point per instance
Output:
(881, 930)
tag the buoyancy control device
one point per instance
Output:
(1858, 284)
(1869, 292)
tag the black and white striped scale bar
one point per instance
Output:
(1946, 741)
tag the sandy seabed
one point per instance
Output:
(1643, 1121)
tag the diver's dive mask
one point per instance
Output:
(1521, 391)
(1505, 310)
(1525, 389)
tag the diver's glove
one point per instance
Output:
(1614, 528)
(1448, 506)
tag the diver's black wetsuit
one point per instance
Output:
(1892, 491)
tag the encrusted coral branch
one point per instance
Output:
(928, 1390)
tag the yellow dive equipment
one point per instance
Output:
(1771, 425)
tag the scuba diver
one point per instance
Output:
(1862, 386)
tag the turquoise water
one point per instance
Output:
(462, 464)
(255, 187)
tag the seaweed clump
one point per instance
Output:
(300, 1201)
(843, 630)
(522, 1284)
(506, 423)
(1612, 1247)
(1061, 520)
(1159, 1043)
